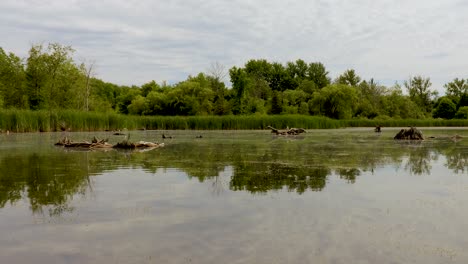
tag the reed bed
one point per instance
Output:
(44, 121)
(405, 123)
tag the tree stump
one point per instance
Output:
(411, 133)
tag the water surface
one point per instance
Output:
(327, 196)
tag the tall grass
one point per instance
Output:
(34, 121)
(405, 123)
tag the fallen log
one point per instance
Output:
(143, 144)
(454, 138)
(411, 133)
(101, 144)
(88, 145)
(140, 144)
(292, 131)
(102, 141)
(64, 141)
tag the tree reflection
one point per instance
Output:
(49, 180)
(456, 160)
(349, 174)
(45, 184)
(259, 177)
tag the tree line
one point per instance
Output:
(49, 78)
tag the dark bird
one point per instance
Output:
(164, 136)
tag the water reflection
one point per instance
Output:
(49, 179)
(38, 178)
(259, 177)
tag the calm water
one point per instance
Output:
(330, 196)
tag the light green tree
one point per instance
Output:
(53, 80)
(462, 113)
(457, 87)
(335, 101)
(318, 74)
(419, 92)
(370, 99)
(138, 106)
(12, 81)
(397, 105)
(349, 77)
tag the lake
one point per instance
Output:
(326, 196)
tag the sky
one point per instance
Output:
(132, 42)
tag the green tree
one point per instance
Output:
(37, 77)
(103, 96)
(12, 81)
(335, 101)
(216, 76)
(258, 69)
(463, 101)
(157, 103)
(149, 87)
(445, 109)
(127, 95)
(276, 103)
(419, 91)
(259, 73)
(318, 74)
(298, 69)
(370, 98)
(279, 80)
(240, 83)
(462, 113)
(292, 101)
(296, 73)
(138, 106)
(349, 77)
(397, 105)
(457, 87)
(309, 87)
(53, 79)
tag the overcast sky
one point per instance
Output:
(135, 41)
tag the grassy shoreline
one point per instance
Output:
(45, 121)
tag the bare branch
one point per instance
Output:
(217, 71)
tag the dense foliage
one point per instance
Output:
(49, 79)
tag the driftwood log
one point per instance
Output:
(455, 137)
(135, 145)
(411, 133)
(64, 141)
(292, 131)
(96, 143)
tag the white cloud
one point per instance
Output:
(136, 41)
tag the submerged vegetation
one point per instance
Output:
(48, 91)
